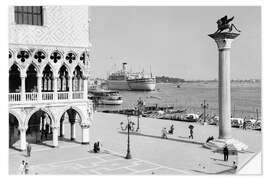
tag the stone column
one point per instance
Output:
(39, 86)
(224, 41)
(70, 87)
(23, 138)
(55, 136)
(85, 88)
(23, 76)
(55, 88)
(85, 133)
(72, 131)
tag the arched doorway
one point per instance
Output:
(14, 79)
(31, 79)
(47, 79)
(63, 85)
(14, 133)
(77, 79)
(70, 125)
(39, 128)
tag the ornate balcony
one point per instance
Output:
(15, 98)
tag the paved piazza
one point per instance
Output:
(151, 154)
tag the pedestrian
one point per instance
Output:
(171, 129)
(96, 147)
(226, 152)
(28, 149)
(244, 124)
(122, 126)
(26, 168)
(234, 165)
(191, 133)
(21, 167)
(164, 133)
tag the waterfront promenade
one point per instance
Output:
(151, 154)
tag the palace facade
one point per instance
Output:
(48, 70)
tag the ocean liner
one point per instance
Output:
(124, 80)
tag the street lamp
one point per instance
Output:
(204, 106)
(128, 156)
(140, 104)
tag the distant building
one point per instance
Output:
(48, 72)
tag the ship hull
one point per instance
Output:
(111, 102)
(118, 85)
(142, 84)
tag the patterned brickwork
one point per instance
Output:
(63, 26)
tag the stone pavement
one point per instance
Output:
(77, 159)
(151, 154)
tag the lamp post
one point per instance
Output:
(128, 156)
(140, 104)
(204, 106)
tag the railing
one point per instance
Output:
(62, 95)
(32, 96)
(77, 95)
(47, 96)
(14, 97)
(44, 96)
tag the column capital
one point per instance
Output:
(23, 75)
(224, 40)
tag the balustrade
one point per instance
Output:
(14, 97)
(77, 95)
(47, 96)
(62, 95)
(31, 96)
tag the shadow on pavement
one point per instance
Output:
(227, 171)
(159, 137)
(14, 148)
(68, 140)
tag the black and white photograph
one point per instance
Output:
(134, 90)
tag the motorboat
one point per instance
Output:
(106, 97)
(237, 122)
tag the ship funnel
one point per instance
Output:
(125, 67)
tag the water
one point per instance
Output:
(246, 98)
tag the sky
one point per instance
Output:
(173, 41)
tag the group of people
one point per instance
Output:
(24, 167)
(131, 125)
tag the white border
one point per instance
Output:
(4, 71)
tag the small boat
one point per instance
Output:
(106, 97)
(237, 122)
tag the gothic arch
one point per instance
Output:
(36, 66)
(36, 110)
(18, 65)
(81, 67)
(51, 66)
(67, 66)
(18, 117)
(78, 110)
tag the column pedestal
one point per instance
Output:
(85, 134)
(224, 41)
(23, 139)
